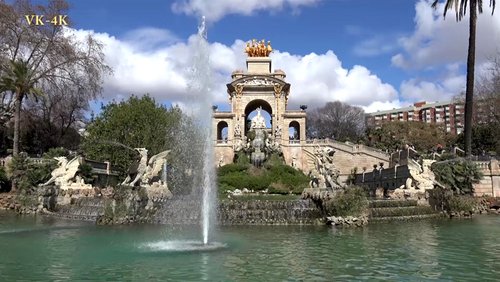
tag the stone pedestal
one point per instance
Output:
(259, 65)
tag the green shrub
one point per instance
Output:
(232, 168)
(457, 175)
(85, 171)
(459, 203)
(56, 152)
(241, 158)
(278, 178)
(351, 201)
(274, 160)
(444, 199)
(28, 175)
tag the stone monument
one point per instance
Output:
(262, 89)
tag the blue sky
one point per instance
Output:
(376, 54)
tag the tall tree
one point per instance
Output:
(394, 135)
(488, 93)
(460, 7)
(135, 123)
(338, 121)
(49, 55)
(17, 81)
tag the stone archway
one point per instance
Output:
(294, 131)
(222, 131)
(253, 105)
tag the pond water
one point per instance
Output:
(52, 249)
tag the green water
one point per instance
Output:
(50, 250)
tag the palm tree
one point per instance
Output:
(19, 81)
(475, 7)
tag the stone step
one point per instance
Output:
(401, 211)
(392, 203)
(406, 218)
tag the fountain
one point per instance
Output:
(200, 86)
(201, 111)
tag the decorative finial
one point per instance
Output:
(256, 48)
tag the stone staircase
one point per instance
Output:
(394, 210)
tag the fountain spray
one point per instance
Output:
(201, 85)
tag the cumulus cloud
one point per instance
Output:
(164, 73)
(437, 41)
(317, 79)
(382, 106)
(214, 10)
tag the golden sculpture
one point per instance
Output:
(258, 48)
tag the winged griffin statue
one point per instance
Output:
(65, 175)
(146, 170)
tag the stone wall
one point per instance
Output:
(490, 184)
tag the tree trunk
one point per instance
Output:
(469, 91)
(17, 122)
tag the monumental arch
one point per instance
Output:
(260, 88)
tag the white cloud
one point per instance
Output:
(317, 79)
(214, 10)
(382, 106)
(436, 41)
(164, 73)
(443, 87)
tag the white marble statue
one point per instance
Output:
(258, 121)
(65, 175)
(421, 176)
(237, 131)
(277, 131)
(147, 169)
(324, 173)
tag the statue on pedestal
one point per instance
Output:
(258, 121)
(258, 49)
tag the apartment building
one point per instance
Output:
(449, 114)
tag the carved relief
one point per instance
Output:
(278, 90)
(239, 90)
(258, 82)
